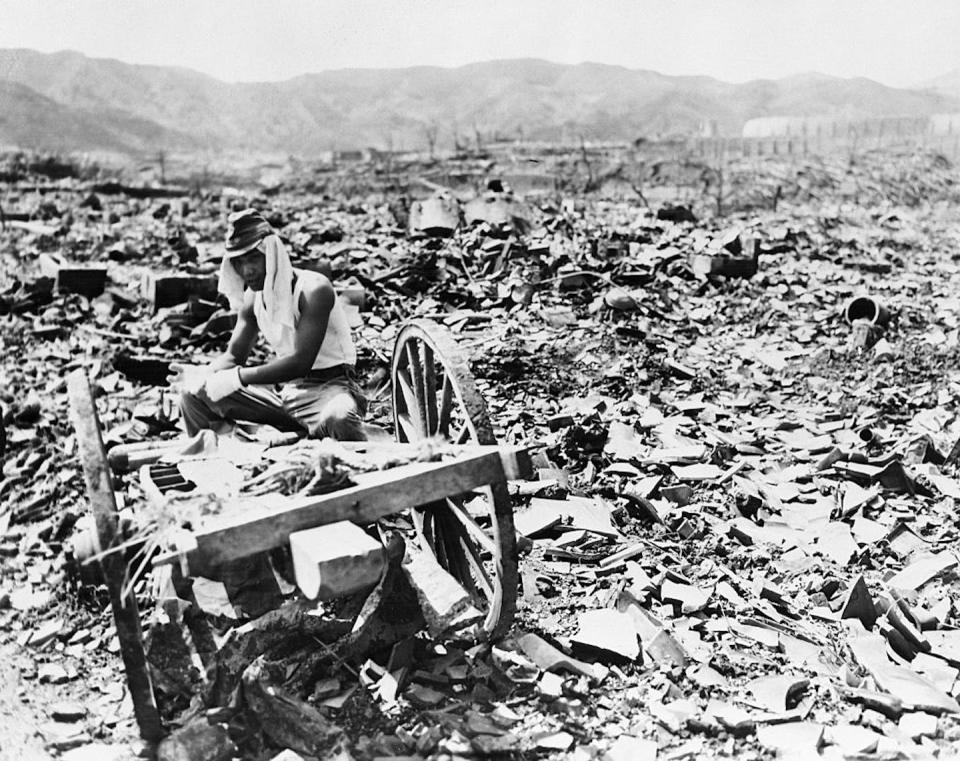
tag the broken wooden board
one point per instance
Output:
(446, 605)
(88, 280)
(242, 645)
(268, 522)
(336, 559)
(285, 719)
(100, 492)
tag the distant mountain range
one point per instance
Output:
(69, 102)
(948, 84)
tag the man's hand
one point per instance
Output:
(223, 383)
(189, 378)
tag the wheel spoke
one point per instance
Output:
(416, 383)
(406, 388)
(446, 406)
(410, 431)
(429, 387)
(457, 558)
(463, 435)
(473, 528)
(472, 556)
(423, 530)
(409, 400)
(441, 545)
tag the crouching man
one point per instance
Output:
(309, 385)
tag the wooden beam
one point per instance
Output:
(270, 523)
(86, 279)
(446, 605)
(337, 559)
(96, 474)
(169, 290)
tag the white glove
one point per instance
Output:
(223, 383)
(189, 378)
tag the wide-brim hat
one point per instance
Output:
(245, 230)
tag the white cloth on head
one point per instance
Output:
(231, 284)
(277, 292)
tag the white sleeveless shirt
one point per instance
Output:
(337, 347)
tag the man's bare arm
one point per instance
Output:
(242, 340)
(316, 302)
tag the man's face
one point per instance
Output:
(252, 267)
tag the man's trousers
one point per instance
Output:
(332, 408)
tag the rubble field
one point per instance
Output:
(740, 539)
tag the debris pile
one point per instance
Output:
(740, 539)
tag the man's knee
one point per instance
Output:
(197, 412)
(190, 401)
(340, 419)
(191, 405)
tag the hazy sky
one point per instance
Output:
(898, 43)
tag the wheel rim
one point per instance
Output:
(471, 535)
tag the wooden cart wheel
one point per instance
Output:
(103, 506)
(471, 535)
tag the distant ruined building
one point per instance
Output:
(945, 124)
(823, 135)
(827, 128)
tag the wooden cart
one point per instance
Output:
(433, 394)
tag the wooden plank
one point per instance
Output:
(445, 604)
(375, 495)
(336, 559)
(100, 493)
